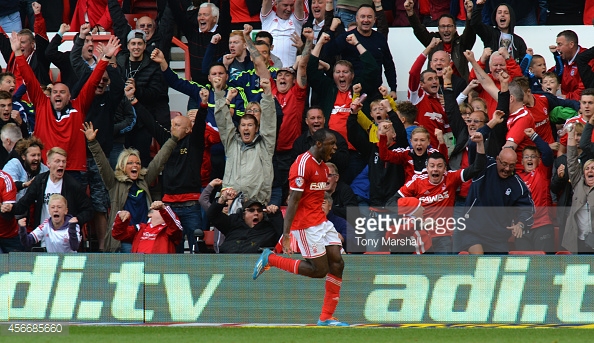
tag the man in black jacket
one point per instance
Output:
(181, 175)
(247, 231)
(55, 181)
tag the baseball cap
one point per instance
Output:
(287, 69)
(251, 202)
(136, 34)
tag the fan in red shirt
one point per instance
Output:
(437, 192)
(318, 241)
(586, 112)
(9, 230)
(519, 120)
(423, 92)
(160, 236)
(58, 118)
(538, 161)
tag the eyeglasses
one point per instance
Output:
(253, 111)
(148, 26)
(446, 26)
(505, 164)
(475, 121)
(252, 210)
(530, 157)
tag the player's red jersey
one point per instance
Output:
(437, 199)
(310, 177)
(516, 124)
(8, 227)
(538, 182)
(578, 119)
(540, 113)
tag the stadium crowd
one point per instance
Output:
(499, 140)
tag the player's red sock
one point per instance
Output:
(286, 264)
(331, 297)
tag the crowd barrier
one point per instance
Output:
(124, 288)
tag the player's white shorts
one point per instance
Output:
(313, 240)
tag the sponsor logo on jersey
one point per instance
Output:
(318, 186)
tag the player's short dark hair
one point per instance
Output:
(534, 57)
(446, 15)
(264, 34)
(320, 135)
(261, 42)
(408, 111)
(314, 107)
(570, 35)
(588, 91)
(6, 74)
(427, 72)
(551, 75)
(216, 64)
(438, 156)
(523, 82)
(249, 116)
(5, 95)
(533, 148)
(365, 5)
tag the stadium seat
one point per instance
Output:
(526, 252)
(563, 252)
(376, 253)
(144, 6)
(209, 239)
(463, 253)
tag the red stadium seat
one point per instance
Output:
(463, 253)
(209, 239)
(563, 252)
(520, 252)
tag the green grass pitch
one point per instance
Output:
(171, 334)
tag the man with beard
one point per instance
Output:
(54, 181)
(27, 166)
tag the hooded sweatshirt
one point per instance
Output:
(493, 38)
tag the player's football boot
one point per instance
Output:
(262, 263)
(331, 322)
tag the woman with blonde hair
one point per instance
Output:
(128, 184)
